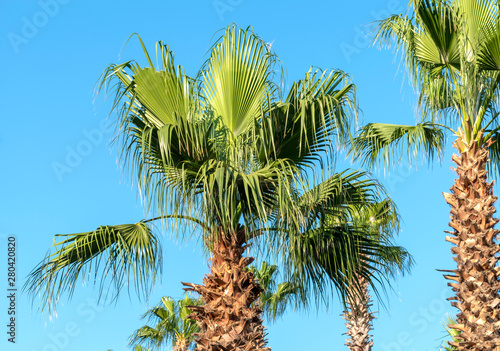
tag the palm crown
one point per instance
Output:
(450, 50)
(222, 147)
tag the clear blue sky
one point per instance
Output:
(52, 53)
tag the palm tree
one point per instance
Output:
(231, 153)
(451, 49)
(381, 222)
(170, 324)
(170, 318)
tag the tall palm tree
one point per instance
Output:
(382, 223)
(232, 153)
(451, 49)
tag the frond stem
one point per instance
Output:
(192, 219)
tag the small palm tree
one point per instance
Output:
(451, 49)
(170, 324)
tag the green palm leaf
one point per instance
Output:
(330, 249)
(237, 78)
(452, 333)
(317, 113)
(489, 56)
(385, 144)
(121, 254)
(435, 38)
(276, 297)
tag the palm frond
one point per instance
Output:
(326, 257)
(275, 304)
(393, 260)
(345, 190)
(159, 127)
(349, 232)
(478, 21)
(151, 337)
(382, 217)
(325, 252)
(381, 222)
(277, 297)
(318, 113)
(489, 54)
(385, 144)
(452, 333)
(237, 79)
(160, 95)
(436, 41)
(117, 256)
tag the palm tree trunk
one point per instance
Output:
(476, 279)
(227, 320)
(359, 318)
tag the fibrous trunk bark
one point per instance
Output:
(476, 279)
(359, 318)
(228, 320)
